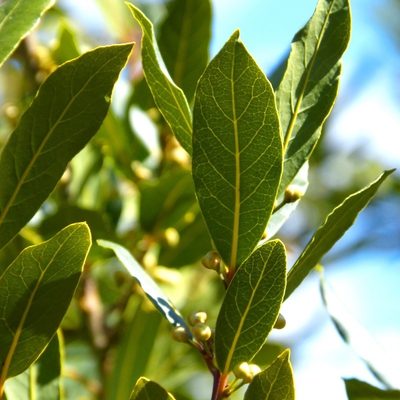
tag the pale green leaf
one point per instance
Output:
(333, 228)
(184, 41)
(310, 84)
(35, 292)
(17, 19)
(273, 383)
(169, 98)
(251, 306)
(237, 151)
(150, 288)
(358, 390)
(149, 390)
(67, 111)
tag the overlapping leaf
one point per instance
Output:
(309, 87)
(273, 383)
(35, 291)
(334, 227)
(237, 151)
(17, 19)
(146, 390)
(67, 111)
(169, 98)
(251, 306)
(358, 390)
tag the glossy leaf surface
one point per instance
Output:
(251, 306)
(35, 292)
(150, 288)
(146, 390)
(334, 227)
(358, 390)
(237, 151)
(273, 383)
(169, 98)
(310, 84)
(67, 111)
(17, 19)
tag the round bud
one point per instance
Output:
(197, 317)
(201, 332)
(212, 260)
(242, 371)
(171, 236)
(254, 369)
(293, 193)
(280, 323)
(179, 334)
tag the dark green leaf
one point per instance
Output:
(251, 306)
(67, 111)
(149, 390)
(334, 227)
(358, 390)
(273, 383)
(309, 87)
(184, 40)
(17, 19)
(237, 151)
(169, 98)
(35, 291)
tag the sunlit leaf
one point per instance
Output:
(273, 383)
(149, 390)
(169, 98)
(17, 19)
(309, 87)
(358, 390)
(251, 306)
(67, 111)
(237, 151)
(334, 227)
(35, 292)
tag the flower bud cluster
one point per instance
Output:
(201, 331)
(245, 371)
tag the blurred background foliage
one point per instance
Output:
(133, 185)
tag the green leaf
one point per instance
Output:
(149, 390)
(273, 383)
(67, 48)
(67, 111)
(35, 292)
(169, 98)
(334, 227)
(43, 379)
(150, 288)
(184, 40)
(358, 390)
(309, 87)
(17, 19)
(237, 151)
(251, 306)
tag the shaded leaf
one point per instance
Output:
(273, 383)
(237, 151)
(251, 306)
(150, 288)
(67, 111)
(333, 228)
(146, 389)
(17, 19)
(309, 87)
(29, 314)
(169, 98)
(66, 48)
(358, 390)
(184, 41)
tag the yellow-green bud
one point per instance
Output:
(280, 323)
(179, 334)
(201, 332)
(254, 369)
(197, 317)
(212, 260)
(293, 193)
(242, 371)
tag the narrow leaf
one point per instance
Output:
(309, 87)
(149, 390)
(184, 41)
(169, 98)
(17, 19)
(358, 390)
(237, 151)
(35, 292)
(334, 227)
(67, 111)
(251, 306)
(150, 288)
(273, 383)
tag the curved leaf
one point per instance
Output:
(67, 111)
(149, 390)
(237, 151)
(358, 390)
(251, 306)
